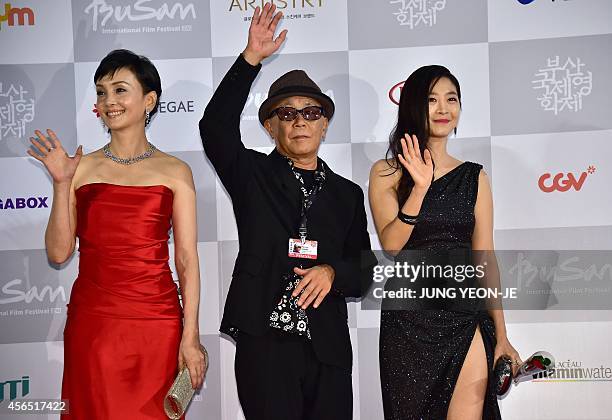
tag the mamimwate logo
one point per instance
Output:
(563, 182)
(16, 16)
(14, 388)
(575, 371)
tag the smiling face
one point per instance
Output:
(444, 108)
(297, 139)
(121, 101)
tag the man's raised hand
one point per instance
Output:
(262, 43)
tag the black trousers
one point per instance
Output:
(279, 378)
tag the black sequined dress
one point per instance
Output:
(422, 351)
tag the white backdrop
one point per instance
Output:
(537, 97)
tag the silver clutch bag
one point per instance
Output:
(180, 393)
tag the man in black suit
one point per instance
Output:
(296, 219)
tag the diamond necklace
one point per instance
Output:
(107, 153)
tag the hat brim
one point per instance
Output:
(326, 102)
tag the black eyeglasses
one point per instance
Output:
(289, 113)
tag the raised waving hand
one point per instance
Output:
(51, 153)
(419, 167)
(261, 42)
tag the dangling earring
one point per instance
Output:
(147, 117)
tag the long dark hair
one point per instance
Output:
(413, 118)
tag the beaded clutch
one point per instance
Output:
(502, 374)
(540, 364)
(181, 392)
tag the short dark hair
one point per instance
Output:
(413, 117)
(141, 66)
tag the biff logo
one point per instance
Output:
(14, 294)
(103, 14)
(563, 182)
(17, 16)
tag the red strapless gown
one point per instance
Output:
(124, 321)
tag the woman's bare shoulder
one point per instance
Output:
(386, 172)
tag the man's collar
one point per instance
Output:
(277, 156)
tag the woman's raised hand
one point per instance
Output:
(261, 42)
(419, 167)
(51, 153)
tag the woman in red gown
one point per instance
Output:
(126, 334)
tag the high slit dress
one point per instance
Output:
(423, 344)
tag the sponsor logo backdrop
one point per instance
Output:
(536, 101)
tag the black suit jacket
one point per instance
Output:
(266, 198)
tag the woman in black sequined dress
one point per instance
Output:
(434, 363)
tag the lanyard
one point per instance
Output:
(308, 196)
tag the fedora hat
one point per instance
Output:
(295, 83)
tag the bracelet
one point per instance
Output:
(409, 220)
